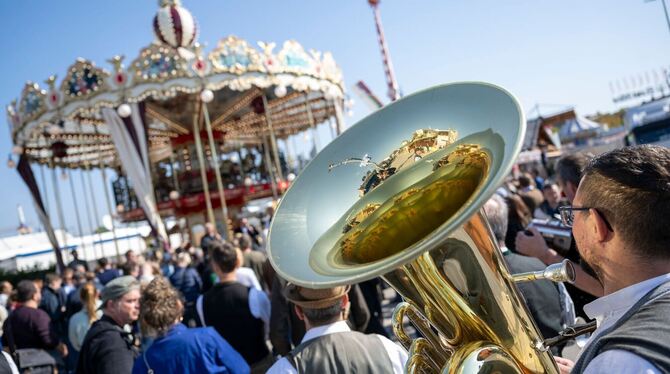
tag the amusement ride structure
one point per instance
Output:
(190, 134)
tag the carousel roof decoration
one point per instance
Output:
(302, 89)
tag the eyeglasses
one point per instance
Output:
(568, 215)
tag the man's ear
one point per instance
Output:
(299, 313)
(345, 301)
(599, 225)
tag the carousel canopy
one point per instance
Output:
(61, 122)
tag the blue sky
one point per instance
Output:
(547, 52)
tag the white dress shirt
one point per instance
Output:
(247, 277)
(396, 353)
(607, 310)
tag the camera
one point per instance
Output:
(557, 235)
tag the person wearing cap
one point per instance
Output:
(108, 346)
(329, 346)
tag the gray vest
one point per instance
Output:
(342, 352)
(644, 330)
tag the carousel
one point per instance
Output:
(188, 133)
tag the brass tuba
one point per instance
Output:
(398, 195)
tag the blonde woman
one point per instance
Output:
(83, 319)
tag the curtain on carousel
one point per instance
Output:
(130, 140)
(29, 178)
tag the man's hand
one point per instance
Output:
(62, 349)
(564, 365)
(532, 245)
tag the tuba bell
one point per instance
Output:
(398, 195)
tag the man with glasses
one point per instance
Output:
(620, 220)
(586, 287)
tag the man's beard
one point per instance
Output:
(592, 270)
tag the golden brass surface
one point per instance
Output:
(413, 213)
(415, 220)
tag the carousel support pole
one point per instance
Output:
(95, 213)
(80, 232)
(295, 148)
(107, 201)
(289, 156)
(273, 140)
(339, 119)
(88, 209)
(217, 172)
(312, 123)
(109, 210)
(201, 162)
(44, 188)
(59, 208)
(268, 163)
(175, 179)
(332, 124)
(239, 156)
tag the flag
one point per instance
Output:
(28, 177)
(130, 139)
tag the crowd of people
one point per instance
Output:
(220, 307)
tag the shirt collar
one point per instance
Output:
(623, 299)
(178, 327)
(315, 332)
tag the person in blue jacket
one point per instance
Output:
(176, 348)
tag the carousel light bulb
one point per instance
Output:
(333, 126)
(124, 110)
(174, 195)
(206, 96)
(350, 112)
(17, 150)
(350, 102)
(54, 130)
(248, 182)
(290, 177)
(10, 163)
(280, 91)
(120, 208)
(331, 93)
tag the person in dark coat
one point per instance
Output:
(76, 262)
(542, 297)
(108, 347)
(30, 325)
(187, 281)
(53, 303)
(106, 272)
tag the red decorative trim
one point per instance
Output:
(157, 31)
(189, 138)
(176, 24)
(192, 204)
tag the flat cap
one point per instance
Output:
(118, 287)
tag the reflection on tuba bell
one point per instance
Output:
(398, 195)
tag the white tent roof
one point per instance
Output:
(577, 127)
